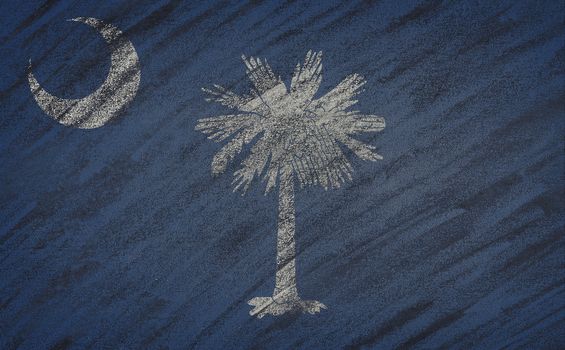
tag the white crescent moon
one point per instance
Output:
(110, 98)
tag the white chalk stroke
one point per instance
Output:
(293, 137)
(119, 88)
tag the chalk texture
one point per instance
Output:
(121, 238)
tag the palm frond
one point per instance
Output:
(231, 149)
(361, 150)
(357, 123)
(321, 161)
(225, 97)
(242, 127)
(252, 103)
(306, 79)
(342, 96)
(254, 164)
(260, 74)
(351, 123)
(222, 127)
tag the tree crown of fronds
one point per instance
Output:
(299, 135)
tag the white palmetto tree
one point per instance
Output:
(294, 138)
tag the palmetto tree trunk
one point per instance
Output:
(285, 296)
(285, 283)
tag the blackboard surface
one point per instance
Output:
(120, 237)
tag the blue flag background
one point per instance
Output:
(120, 237)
